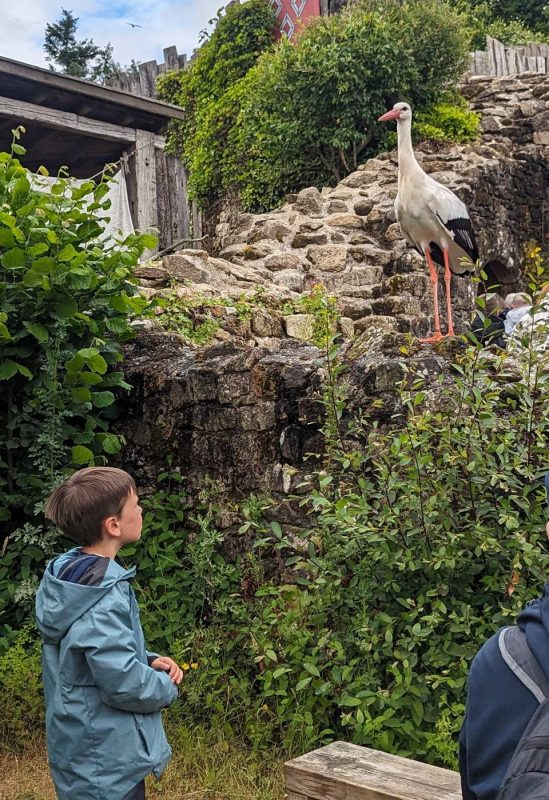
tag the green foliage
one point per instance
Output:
(67, 299)
(425, 537)
(80, 58)
(309, 110)
(22, 714)
(306, 112)
(489, 19)
(203, 90)
(449, 122)
(532, 14)
(182, 316)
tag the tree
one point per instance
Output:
(79, 58)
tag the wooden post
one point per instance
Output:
(148, 73)
(171, 59)
(343, 771)
(142, 183)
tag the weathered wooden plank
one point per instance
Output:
(541, 64)
(148, 72)
(145, 181)
(19, 111)
(171, 59)
(532, 63)
(512, 61)
(343, 771)
(294, 796)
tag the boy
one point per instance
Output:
(103, 690)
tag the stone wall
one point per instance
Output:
(246, 409)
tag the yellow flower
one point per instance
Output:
(194, 665)
(185, 666)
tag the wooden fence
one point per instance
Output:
(173, 201)
(501, 59)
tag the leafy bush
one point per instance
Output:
(203, 90)
(448, 122)
(424, 538)
(67, 299)
(490, 19)
(531, 14)
(21, 700)
(308, 110)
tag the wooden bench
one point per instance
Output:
(343, 771)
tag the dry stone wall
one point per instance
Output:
(246, 409)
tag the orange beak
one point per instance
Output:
(394, 113)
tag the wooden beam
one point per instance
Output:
(21, 112)
(106, 94)
(343, 771)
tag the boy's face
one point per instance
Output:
(130, 520)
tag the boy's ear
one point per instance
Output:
(111, 526)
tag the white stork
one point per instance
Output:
(432, 218)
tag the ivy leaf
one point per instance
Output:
(40, 332)
(67, 253)
(65, 307)
(111, 443)
(81, 394)
(81, 454)
(14, 258)
(98, 364)
(102, 399)
(8, 369)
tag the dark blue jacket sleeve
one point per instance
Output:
(499, 708)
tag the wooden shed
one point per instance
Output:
(83, 126)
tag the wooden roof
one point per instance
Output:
(71, 122)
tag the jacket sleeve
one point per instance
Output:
(112, 655)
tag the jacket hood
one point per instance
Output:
(60, 603)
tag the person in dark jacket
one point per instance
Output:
(489, 323)
(104, 691)
(499, 706)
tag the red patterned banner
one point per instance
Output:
(292, 15)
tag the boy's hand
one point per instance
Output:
(168, 665)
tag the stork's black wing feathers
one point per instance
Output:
(464, 236)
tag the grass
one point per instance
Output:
(203, 768)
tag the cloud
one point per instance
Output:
(163, 23)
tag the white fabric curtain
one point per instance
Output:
(118, 220)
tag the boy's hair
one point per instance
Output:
(80, 504)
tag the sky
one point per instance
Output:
(163, 23)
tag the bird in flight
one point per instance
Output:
(134, 25)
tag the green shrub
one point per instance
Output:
(21, 698)
(204, 91)
(425, 536)
(67, 300)
(449, 122)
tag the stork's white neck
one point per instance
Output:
(406, 159)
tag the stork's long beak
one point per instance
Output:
(394, 113)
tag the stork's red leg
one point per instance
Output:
(447, 281)
(434, 285)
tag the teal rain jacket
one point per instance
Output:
(103, 701)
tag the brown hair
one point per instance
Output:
(80, 504)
